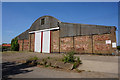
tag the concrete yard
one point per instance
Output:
(95, 66)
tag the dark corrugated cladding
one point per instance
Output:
(72, 29)
(24, 35)
(50, 22)
(66, 29)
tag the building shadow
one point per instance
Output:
(11, 68)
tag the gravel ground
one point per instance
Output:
(6, 56)
(53, 73)
(36, 72)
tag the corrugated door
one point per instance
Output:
(46, 42)
(38, 42)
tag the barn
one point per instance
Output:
(49, 35)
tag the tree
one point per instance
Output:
(118, 47)
(14, 44)
(4, 43)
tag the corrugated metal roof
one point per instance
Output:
(74, 29)
(66, 29)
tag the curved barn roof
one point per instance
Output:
(50, 22)
(66, 29)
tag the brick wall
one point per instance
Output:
(26, 45)
(88, 44)
(66, 44)
(99, 44)
(83, 44)
(32, 42)
(20, 45)
(79, 44)
(55, 41)
(23, 45)
(113, 38)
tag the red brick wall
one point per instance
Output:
(99, 44)
(79, 44)
(66, 44)
(55, 41)
(23, 45)
(26, 45)
(20, 45)
(87, 44)
(32, 42)
(83, 44)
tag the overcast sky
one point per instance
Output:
(18, 17)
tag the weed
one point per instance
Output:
(48, 57)
(69, 57)
(38, 63)
(75, 65)
(32, 61)
(45, 62)
(46, 65)
(78, 60)
(33, 58)
(43, 59)
(79, 70)
(50, 64)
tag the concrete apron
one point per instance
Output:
(99, 66)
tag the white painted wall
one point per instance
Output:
(46, 42)
(37, 41)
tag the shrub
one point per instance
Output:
(48, 57)
(78, 60)
(69, 57)
(4, 48)
(46, 65)
(118, 47)
(44, 61)
(14, 45)
(76, 63)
